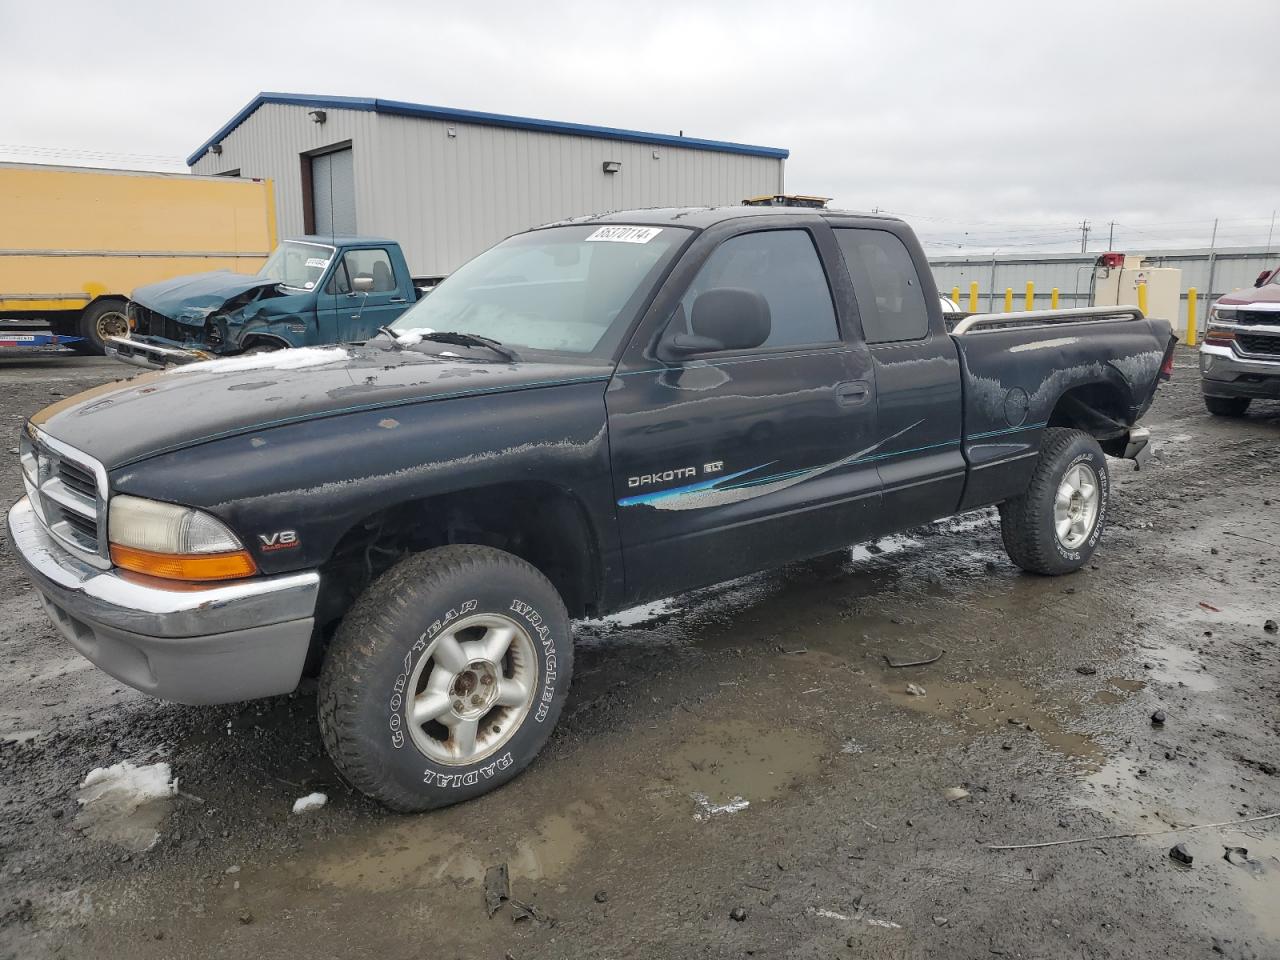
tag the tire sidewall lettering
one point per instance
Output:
(415, 652)
(1104, 492)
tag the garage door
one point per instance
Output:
(333, 192)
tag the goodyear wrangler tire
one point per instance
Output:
(1054, 527)
(446, 677)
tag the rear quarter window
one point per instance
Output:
(890, 299)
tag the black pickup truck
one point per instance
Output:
(589, 415)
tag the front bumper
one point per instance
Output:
(1224, 373)
(153, 353)
(215, 644)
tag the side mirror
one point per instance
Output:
(362, 284)
(1263, 277)
(727, 318)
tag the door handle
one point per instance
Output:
(398, 300)
(852, 392)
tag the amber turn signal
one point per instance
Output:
(177, 566)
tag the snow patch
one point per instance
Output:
(292, 359)
(312, 801)
(707, 809)
(124, 803)
(413, 336)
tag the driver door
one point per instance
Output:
(738, 460)
(353, 313)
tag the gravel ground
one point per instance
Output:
(738, 772)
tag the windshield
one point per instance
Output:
(566, 289)
(297, 264)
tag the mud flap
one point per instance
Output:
(1138, 447)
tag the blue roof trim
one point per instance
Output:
(403, 109)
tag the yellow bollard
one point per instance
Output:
(1142, 298)
(955, 296)
(1053, 299)
(1031, 295)
(1191, 317)
(1008, 299)
(973, 296)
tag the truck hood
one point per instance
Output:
(127, 421)
(1267, 293)
(192, 298)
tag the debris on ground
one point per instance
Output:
(527, 911)
(915, 690)
(601, 896)
(955, 793)
(706, 809)
(916, 661)
(1158, 718)
(1210, 607)
(1086, 671)
(497, 888)
(1127, 836)
(125, 803)
(312, 801)
(246, 917)
(738, 913)
(1239, 857)
(1271, 626)
(1181, 854)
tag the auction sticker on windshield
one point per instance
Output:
(319, 262)
(625, 234)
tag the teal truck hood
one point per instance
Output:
(192, 298)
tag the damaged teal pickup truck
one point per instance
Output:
(311, 291)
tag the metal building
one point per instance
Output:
(448, 183)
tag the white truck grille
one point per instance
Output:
(68, 491)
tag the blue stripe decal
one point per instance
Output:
(688, 488)
(1007, 430)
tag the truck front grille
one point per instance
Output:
(67, 489)
(1251, 318)
(148, 323)
(1259, 344)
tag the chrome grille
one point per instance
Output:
(68, 491)
(1259, 344)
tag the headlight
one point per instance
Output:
(173, 542)
(1226, 314)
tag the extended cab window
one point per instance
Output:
(783, 267)
(886, 285)
(374, 264)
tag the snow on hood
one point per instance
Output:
(294, 359)
(412, 337)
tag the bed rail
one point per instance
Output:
(987, 322)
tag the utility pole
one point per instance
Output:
(1213, 263)
(1271, 231)
(1111, 235)
(1213, 241)
(1084, 235)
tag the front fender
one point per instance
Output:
(317, 479)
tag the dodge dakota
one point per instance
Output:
(313, 290)
(586, 416)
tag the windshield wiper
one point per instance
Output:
(471, 340)
(395, 337)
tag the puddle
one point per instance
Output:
(418, 853)
(728, 765)
(1001, 707)
(1179, 666)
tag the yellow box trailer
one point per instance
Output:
(74, 241)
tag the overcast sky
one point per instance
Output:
(1000, 124)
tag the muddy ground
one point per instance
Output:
(741, 748)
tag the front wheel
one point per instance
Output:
(1054, 527)
(446, 678)
(1226, 406)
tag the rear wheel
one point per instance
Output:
(100, 320)
(1054, 527)
(446, 677)
(1226, 406)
